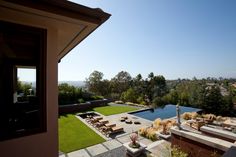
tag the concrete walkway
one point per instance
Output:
(115, 148)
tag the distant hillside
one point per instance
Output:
(74, 83)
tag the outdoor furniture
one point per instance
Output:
(114, 130)
(103, 121)
(128, 121)
(98, 124)
(122, 119)
(137, 122)
(110, 125)
(104, 130)
(95, 119)
(98, 118)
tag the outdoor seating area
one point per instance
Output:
(103, 125)
(129, 121)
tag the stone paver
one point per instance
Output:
(161, 150)
(96, 149)
(79, 153)
(112, 144)
(126, 138)
(129, 128)
(154, 144)
(145, 141)
(123, 139)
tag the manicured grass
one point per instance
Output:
(74, 134)
(109, 110)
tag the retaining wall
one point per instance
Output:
(73, 108)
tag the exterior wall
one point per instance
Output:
(43, 144)
(193, 148)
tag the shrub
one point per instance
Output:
(143, 103)
(177, 152)
(142, 132)
(158, 101)
(157, 123)
(129, 103)
(209, 116)
(165, 127)
(119, 102)
(81, 100)
(186, 116)
(171, 123)
(194, 115)
(97, 97)
(151, 134)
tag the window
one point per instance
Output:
(22, 101)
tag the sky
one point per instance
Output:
(173, 38)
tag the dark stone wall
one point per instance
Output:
(73, 108)
(193, 148)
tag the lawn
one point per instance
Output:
(74, 134)
(109, 110)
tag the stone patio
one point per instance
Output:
(114, 148)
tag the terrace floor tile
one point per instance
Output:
(96, 149)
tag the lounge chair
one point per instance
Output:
(95, 120)
(98, 125)
(98, 117)
(110, 125)
(103, 121)
(114, 130)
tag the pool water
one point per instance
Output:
(168, 111)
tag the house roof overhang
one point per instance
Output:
(73, 22)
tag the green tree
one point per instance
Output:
(213, 100)
(120, 83)
(23, 88)
(129, 95)
(151, 75)
(94, 82)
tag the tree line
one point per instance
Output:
(213, 95)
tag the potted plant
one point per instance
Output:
(134, 138)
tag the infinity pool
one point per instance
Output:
(167, 112)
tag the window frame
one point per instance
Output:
(41, 64)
